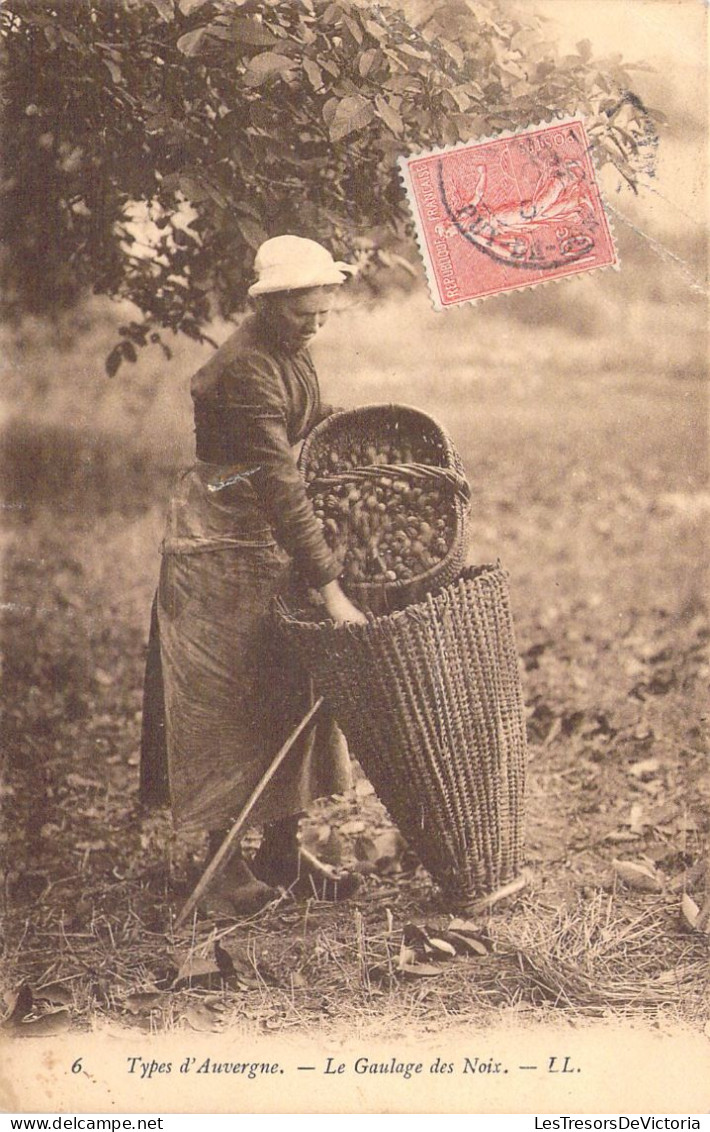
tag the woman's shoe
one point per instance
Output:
(283, 862)
(235, 891)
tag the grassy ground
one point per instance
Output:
(580, 414)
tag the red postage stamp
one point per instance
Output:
(509, 212)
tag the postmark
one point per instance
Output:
(508, 212)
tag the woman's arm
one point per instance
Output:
(253, 394)
(339, 605)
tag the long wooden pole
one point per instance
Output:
(221, 856)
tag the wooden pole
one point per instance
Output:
(222, 855)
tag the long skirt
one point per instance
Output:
(231, 694)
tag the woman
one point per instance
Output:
(239, 524)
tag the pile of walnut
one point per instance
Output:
(389, 527)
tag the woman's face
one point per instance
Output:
(297, 316)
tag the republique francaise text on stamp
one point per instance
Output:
(508, 212)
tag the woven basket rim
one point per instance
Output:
(439, 598)
(371, 410)
(387, 589)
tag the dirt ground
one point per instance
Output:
(586, 451)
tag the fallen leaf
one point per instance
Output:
(689, 911)
(442, 946)
(59, 994)
(202, 1018)
(465, 944)
(19, 1004)
(194, 970)
(225, 964)
(642, 878)
(419, 970)
(465, 927)
(143, 1002)
(45, 1026)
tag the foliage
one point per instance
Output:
(151, 145)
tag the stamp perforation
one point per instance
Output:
(507, 244)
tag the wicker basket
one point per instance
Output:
(434, 457)
(430, 701)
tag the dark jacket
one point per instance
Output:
(253, 402)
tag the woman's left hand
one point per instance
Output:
(340, 607)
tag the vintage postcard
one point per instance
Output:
(355, 623)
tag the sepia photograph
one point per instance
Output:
(354, 450)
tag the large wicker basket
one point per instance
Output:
(430, 701)
(433, 456)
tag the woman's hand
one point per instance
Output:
(340, 607)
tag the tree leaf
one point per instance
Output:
(367, 61)
(165, 9)
(330, 66)
(252, 232)
(354, 28)
(190, 43)
(453, 50)
(329, 110)
(375, 30)
(187, 7)
(113, 361)
(391, 117)
(193, 188)
(352, 113)
(267, 65)
(314, 73)
(250, 31)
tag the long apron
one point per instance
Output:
(231, 695)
